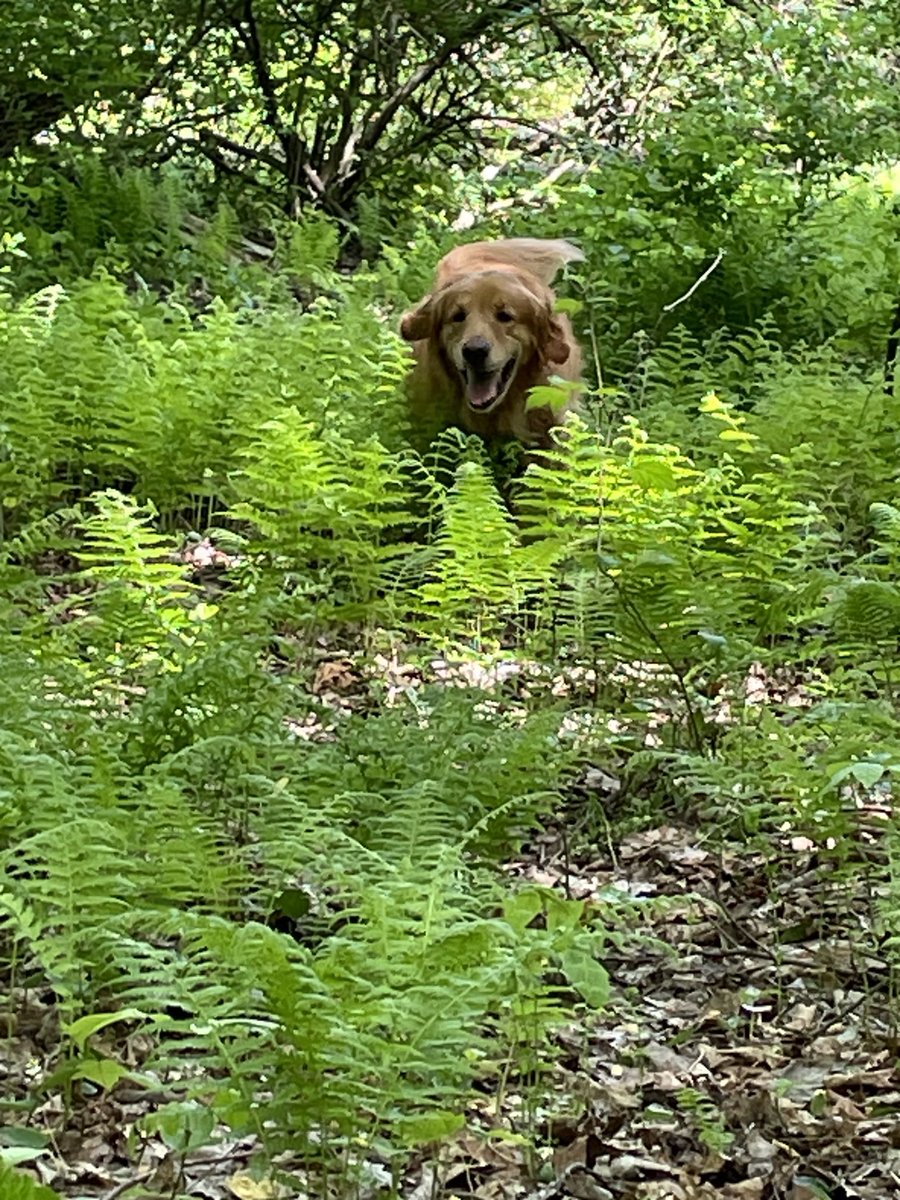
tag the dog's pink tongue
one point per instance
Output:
(481, 391)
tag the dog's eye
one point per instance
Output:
(459, 315)
(504, 316)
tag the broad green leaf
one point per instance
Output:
(521, 909)
(563, 916)
(430, 1127)
(85, 1027)
(183, 1126)
(653, 474)
(711, 403)
(840, 774)
(105, 1072)
(589, 977)
(17, 1155)
(542, 397)
(23, 1135)
(293, 903)
(867, 773)
(565, 385)
(15, 1186)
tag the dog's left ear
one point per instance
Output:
(554, 340)
(418, 324)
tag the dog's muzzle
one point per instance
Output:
(486, 388)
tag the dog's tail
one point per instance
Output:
(541, 257)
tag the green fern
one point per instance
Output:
(869, 611)
(473, 586)
(139, 608)
(885, 520)
(309, 248)
(323, 913)
(326, 510)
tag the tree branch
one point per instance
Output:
(200, 31)
(208, 137)
(264, 79)
(377, 123)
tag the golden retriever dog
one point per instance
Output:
(486, 335)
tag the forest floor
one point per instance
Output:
(748, 1050)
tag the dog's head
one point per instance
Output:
(488, 326)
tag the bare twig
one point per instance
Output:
(121, 1188)
(634, 117)
(549, 131)
(697, 282)
(166, 69)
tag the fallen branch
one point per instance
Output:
(196, 226)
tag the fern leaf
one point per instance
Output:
(870, 612)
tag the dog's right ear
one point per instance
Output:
(418, 324)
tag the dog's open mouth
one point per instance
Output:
(484, 389)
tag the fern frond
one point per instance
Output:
(474, 585)
(869, 611)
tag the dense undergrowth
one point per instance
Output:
(297, 898)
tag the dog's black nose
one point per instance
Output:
(475, 351)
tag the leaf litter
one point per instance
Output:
(747, 1053)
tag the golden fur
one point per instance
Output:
(486, 335)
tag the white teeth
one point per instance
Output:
(501, 380)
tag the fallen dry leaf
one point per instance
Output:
(245, 1187)
(334, 674)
